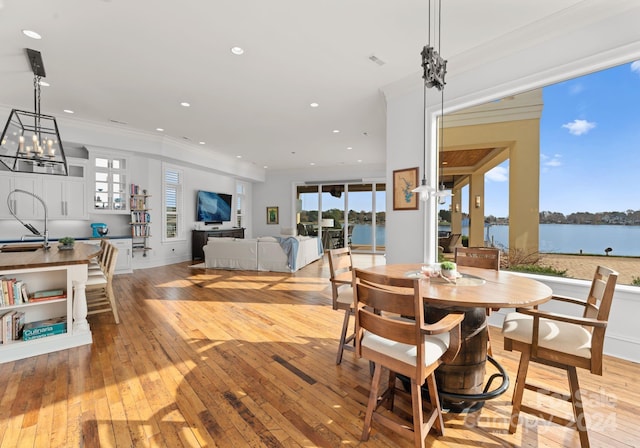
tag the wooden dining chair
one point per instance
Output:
(99, 289)
(340, 266)
(561, 341)
(97, 263)
(479, 257)
(391, 333)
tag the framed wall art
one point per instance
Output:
(272, 215)
(403, 182)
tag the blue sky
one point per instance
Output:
(589, 146)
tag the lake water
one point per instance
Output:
(559, 238)
(573, 238)
(363, 234)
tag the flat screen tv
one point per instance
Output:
(213, 207)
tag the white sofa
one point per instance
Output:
(261, 254)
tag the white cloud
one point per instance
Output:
(575, 89)
(635, 67)
(554, 161)
(549, 162)
(498, 174)
(579, 127)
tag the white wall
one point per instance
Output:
(405, 238)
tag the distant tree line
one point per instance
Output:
(361, 217)
(628, 218)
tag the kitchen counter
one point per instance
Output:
(82, 238)
(80, 254)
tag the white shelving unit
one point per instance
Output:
(140, 220)
(55, 277)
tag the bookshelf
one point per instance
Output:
(53, 271)
(140, 219)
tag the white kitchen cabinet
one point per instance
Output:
(109, 183)
(66, 198)
(123, 262)
(25, 206)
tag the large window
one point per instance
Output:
(344, 214)
(172, 209)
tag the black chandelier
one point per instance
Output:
(30, 142)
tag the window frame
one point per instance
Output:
(241, 204)
(180, 234)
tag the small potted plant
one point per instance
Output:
(66, 243)
(449, 269)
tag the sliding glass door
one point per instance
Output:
(342, 215)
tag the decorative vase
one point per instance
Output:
(450, 273)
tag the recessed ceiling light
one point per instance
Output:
(44, 83)
(202, 143)
(237, 50)
(31, 34)
(160, 129)
(359, 160)
(314, 104)
(239, 157)
(185, 104)
(312, 163)
(335, 131)
(349, 147)
(265, 167)
(68, 111)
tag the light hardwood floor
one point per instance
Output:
(236, 358)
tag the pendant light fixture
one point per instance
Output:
(30, 142)
(434, 68)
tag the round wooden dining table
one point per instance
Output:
(473, 293)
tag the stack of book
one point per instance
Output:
(12, 292)
(12, 324)
(44, 328)
(48, 294)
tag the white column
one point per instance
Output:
(80, 323)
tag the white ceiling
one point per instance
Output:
(134, 61)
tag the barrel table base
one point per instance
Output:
(461, 382)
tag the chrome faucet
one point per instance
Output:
(30, 227)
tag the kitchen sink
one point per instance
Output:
(20, 247)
